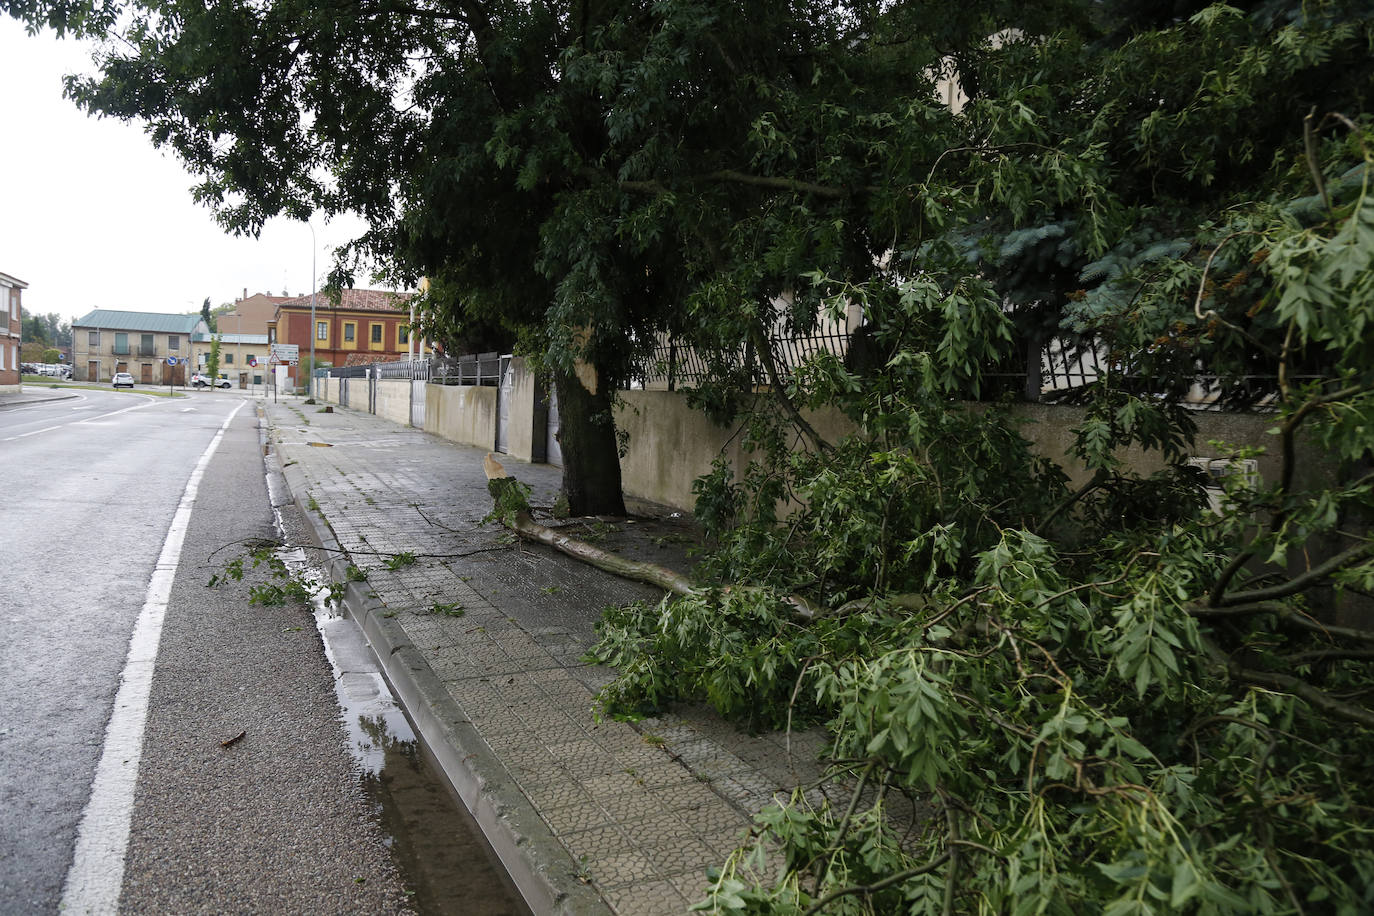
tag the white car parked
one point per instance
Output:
(200, 380)
(122, 380)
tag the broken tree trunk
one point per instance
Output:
(515, 513)
(513, 508)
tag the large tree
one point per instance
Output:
(579, 177)
(1105, 698)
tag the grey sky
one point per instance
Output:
(94, 216)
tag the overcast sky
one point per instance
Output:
(92, 216)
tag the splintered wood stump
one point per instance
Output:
(505, 491)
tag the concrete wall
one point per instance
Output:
(1050, 428)
(528, 416)
(393, 400)
(465, 414)
(670, 445)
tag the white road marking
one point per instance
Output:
(33, 433)
(96, 877)
(114, 413)
(91, 420)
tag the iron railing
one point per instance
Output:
(469, 369)
(675, 365)
(1068, 368)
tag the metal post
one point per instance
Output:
(310, 391)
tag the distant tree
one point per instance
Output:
(212, 361)
(207, 315)
(52, 355)
(33, 329)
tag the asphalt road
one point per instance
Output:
(276, 821)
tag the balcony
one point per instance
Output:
(117, 350)
(147, 352)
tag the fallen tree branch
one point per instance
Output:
(512, 507)
(1286, 683)
(1314, 576)
(503, 489)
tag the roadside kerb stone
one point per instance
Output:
(539, 867)
(589, 815)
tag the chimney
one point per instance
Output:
(245, 292)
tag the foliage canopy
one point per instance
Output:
(1107, 697)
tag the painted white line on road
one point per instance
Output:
(34, 433)
(115, 413)
(97, 874)
(77, 422)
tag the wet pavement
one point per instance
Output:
(482, 639)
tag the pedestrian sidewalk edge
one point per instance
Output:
(540, 867)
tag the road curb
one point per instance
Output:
(28, 400)
(542, 870)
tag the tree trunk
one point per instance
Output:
(586, 434)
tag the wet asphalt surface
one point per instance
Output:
(90, 486)
(277, 822)
(249, 797)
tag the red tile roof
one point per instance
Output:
(363, 300)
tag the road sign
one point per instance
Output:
(286, 353)
(171, 360)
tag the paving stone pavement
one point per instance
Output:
(483, 638)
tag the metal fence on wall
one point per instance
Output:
(1067, 367)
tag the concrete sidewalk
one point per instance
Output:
(482, 639)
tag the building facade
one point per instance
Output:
(366, 326)
(106, 341)
(11, 303)
(242, 357)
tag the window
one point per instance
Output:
(321, 330)
(376, 333)
(121, 346)
(228, 359)
(402, 335)
(92, 338)
(350, 331)
(173, 342)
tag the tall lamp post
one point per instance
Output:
(311, 389)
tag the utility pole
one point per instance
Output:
(310, 390)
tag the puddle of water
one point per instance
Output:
(439, 848)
